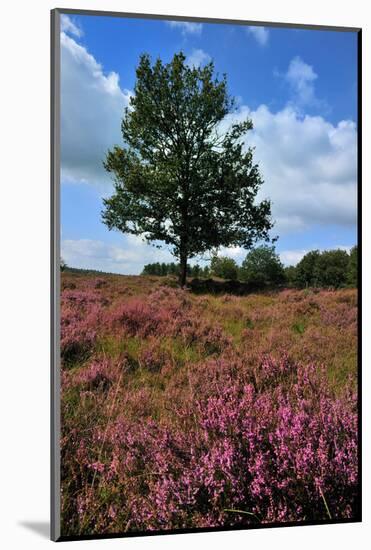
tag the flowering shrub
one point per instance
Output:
(230, 417)
(167, 313)
(274, 443)
(80, 314)
(153, 357)
(98, 375)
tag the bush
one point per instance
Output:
(275, 443)
(80, 319)
(163, 270)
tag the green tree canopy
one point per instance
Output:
(224, 267)
(262, 266)
(323, 269)
(196, 270)
(305, 270)
(165, 269)
(290, 275)
(331, 268)
(352, 271)
(179, 180)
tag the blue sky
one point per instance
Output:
(298, 86)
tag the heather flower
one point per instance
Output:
(237, 431)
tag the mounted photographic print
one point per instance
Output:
(206, 188)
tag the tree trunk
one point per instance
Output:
(183, 249)
(183, 270)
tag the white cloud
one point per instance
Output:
(292, 257)
(69, 27)
(128, 259)
(261, 34)
(198, 58)
(92, 105)
(301, 79)
(237, 253)
(309, 167)
(186, 27)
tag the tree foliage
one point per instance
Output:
(178, 180)
(352, 271)
(305, 270)
(165, 269)
(290, 275)
(262, 266)
(224, 267)
(330, 268)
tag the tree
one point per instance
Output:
(157, 268)
(262, 266)
(178, 179)
(305, 270)
(352, 271)
(62, 264)
(196, 270)
(290, 275)
(205, 272)
(164, 269)
(224, 267)
(331, 268)
(173, 269)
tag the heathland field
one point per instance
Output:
(184, 410)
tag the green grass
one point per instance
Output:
(299, 327)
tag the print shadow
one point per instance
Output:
(41, 528)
